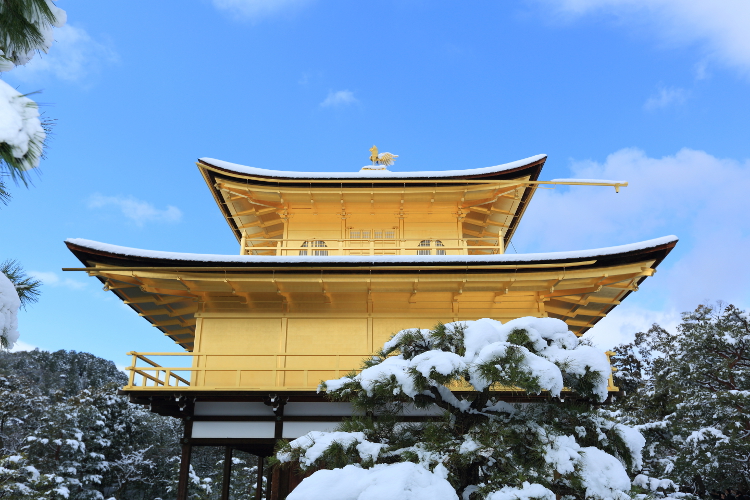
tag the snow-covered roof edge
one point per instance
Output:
(381, 259)
(368, 174)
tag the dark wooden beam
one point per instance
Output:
(259, 484)
(227, 476)
(187, 450)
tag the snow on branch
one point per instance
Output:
(476, 443)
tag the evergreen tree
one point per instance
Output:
(563, 445)
(25, 29)
(689, 393)
(65, 433)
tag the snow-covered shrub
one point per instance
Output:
(484, 447)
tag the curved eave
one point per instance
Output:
(213, 170)
(112, 255)
(510, 170)
(173, 311)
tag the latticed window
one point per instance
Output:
(375, 234)
(439, 251)
(314, 244)
(424, 243)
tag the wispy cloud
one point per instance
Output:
(20, 345)
(254, 10)
(75, 57)
(52, 279)
(695, 195)
(339, 98)
(666, 96)
(138, 211)
(718, 27)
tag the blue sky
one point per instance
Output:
(651, 91)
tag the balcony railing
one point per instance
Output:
(251, 372)
(373, 246)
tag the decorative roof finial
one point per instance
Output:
(385, 159)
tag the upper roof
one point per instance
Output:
(242, 170)
(254, 200)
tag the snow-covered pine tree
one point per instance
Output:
(563, 445)
(689, 394)
(25, 28)
(65, 431)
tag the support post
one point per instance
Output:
(269, 481)
(187, 450)
(259, 485)
(227, 476)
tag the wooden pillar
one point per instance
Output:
(227, 476)
(187, 450)
(269, 477)
(280, 482)
(259, 485)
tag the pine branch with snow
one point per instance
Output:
(479, 446)
(28, 288)
(26, 27)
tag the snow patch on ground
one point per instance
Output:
(402, 481)
(526, 492)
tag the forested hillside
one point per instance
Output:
(65, 433)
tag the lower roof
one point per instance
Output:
(169, 289)
(89, 251)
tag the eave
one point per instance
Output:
(230, 182)
(169, 289)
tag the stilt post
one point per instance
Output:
(187, 451)
(227, 476)
(259, 485)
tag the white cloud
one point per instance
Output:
(666, 97)
(52, 279)
(339, 98)
(697, 196)
(75, 57)
(20, 345)
(626, 320)
(253, 10)
(137, 210)
(719, 27)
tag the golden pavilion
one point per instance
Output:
(330, 265)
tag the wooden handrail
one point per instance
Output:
(274, 372)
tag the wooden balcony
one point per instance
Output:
(373, 246)
(255, 372)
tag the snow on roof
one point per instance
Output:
(379, 259)
(365, 174)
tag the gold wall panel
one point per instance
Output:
(326, 336)
(230, 335)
